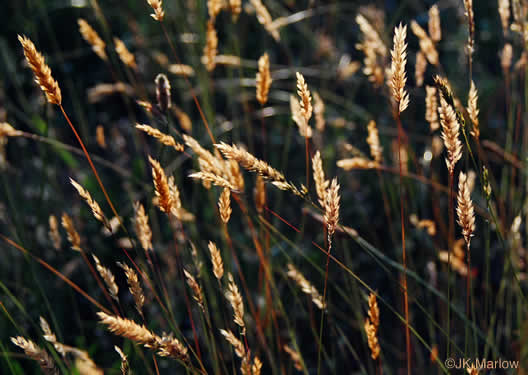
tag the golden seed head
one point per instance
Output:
(450, 134)
(419, 68)
(372, 339)
(319, 110)
(305, 97)
(6, 130)
(108, 278)
(73, 235)
(295, 357)
(260, 194)
(435, 30)
(92, 38)
(473, 110)
(306, 286)
(263, 79)
(211, 46)
(357, 163)
(465, 210)
(331, 202)
(216, 259)
(235, 299)
(214, 7)
(37, 354)
(161, 186)
(376, 151)
(224, 205)
(94, 206)
(134, 286)
(124, 54)
(265, 19)
(54, 232)
(163, 138)
(196, 289)
(397, 70)
(321, 184)
(431, 107)
(157, 6)
(142, 227)
(237, 345)
(41, 71)
(374, 49)
(373, 312)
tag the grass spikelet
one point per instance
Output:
(214, 179)
(372, 339)
(294, 356)
(6, 130)
(263, 79)
(125, 367)
(373, 312)
(319, 111)
(237, 345)
(108, 278)
(235, 299)
(450, 133)
(426, 44)
(376, 151)
(298, 117)
(165, 346)
(41, 71)
(256, 367)
(265, 19)
(306, 286)
(54, 232)
(216, 259)
(161, 186)
(321, 184)
(100, 136)
(331, 206)
(183, 119)
(211, 46)
(465, 210)
(37, 354)
(92, 38)
(419, 68)
(468, 5)
(72, 234)
(305, 97)
(163, 92)
(181, 70)
(473, 110)
(374, 49)
(134, 286)
(94, 206)
(195, 287)
(224, 205)
(356, 163)
(435, 29)
(157, 7)
(142, 227)
(250, 162)
(398, 75)
(260, 194)
(431, 107)
(163, 138)
(124, 54)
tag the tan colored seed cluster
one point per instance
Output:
(321, 184)
(124, 54)
(211, 46)
(214, 179)
(473, 110)
(435, 29)
(465, 210)
(224, 205)
(41, 71)
(6, 130)
(37, 354)
(163, 138)
(157, 7)
(298, 117)
(305, 97)
(100, 136)
(295, 357)
(214, 7)
(431, 107)
(235, 299)
(161, 187)
(419, 68)
(72, 234)
(263, 79)
(265, 19)
(260, 194)
(181, 70)
(371, 327)
(357, 163)
(331, 206)
(376, 151)
(108, 278)
(92, 38)
(450, 134)
(216, 259)
(134, 286)
(426, 43)
(54, 232)
(94, 206)
(102, 90)
(142, 227)
(374, 49)
(306, 286)
(397, 70)
(237, 345)
(319, 111)
(468, 4)
(196, 289)
(165, 346)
